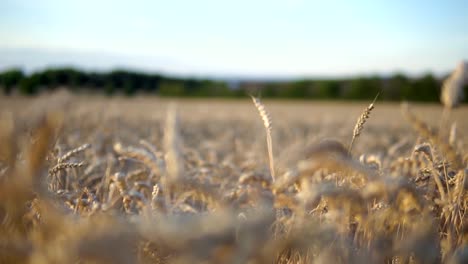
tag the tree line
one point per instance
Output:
(397, 87)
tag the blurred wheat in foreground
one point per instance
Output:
(124, 188)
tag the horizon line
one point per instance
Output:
(111, 61)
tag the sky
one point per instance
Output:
(216, 38)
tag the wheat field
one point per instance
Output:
(147, 180)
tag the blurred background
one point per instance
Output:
(207, 48)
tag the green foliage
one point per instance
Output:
(426, 88)
(363, 88)
(397, 87)
(10, 79)
(171, 88)
(327, 89)
(298, 89)
(394, 87)
(31, 84)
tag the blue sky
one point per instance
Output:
(275, 38)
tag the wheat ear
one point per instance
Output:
(65, 165)
(172, 146)
(267, 123)
(452, 93)
(361, 121)
(452, 88)
(72, 153)
(427, 132)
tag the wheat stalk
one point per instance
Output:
(427, 132)
(453, 134)
(361, 121)
(142, 155)
(268, 127)
(72, 153)
(452, 88)
(63, 166)
(172, 146)
(452, 92)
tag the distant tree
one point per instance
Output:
(363, 88)
(152, 83)
(298, 89)
(327, 89)
(116, 79)
(425, 88)
(397, 87)
(394, 87)
(30, 85)
(171, 88)
(129, 86)
(10, 79)
(99, 80)
(465, 89)
(270, 90)
(207, 88)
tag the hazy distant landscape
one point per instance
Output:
(218, 131)
(398, 87)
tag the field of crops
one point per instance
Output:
(147, 180)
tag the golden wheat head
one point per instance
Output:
(452, 88)
(361, 121)
(268, 127)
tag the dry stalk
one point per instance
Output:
(142, 155)
(150, 147)
(140, 174)
(72, 153)
(361, 121)
(452, 88)
(426, 149)
(327, 208)
(7, 138)
(268, 127)
(427, 132)
(63, 166)
(453, 134)
(452, 92)
(172, 145)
